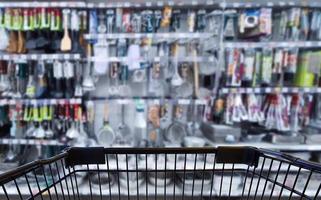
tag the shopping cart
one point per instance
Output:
(171, 173)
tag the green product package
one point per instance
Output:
(308, 67)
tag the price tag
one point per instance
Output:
(233, 90)
(123, 101)
(306, 90)
(308, 44)
(148, 4)
(171, 3)
(318, 90)
(166, 35)
(268, 90)
(5, 141)
(236, 5)
(100, 5)
(24, 57)
(53, 101)
(249, 90)
(291, 3)
(12, 101)
(194, 3)
(257, 90)
(160, 4)
(209, 2)
(14, 141)
(200, 102)
(126, 4)
(295, 90)
(248, 5)
(33, 57)
(90, 5)
(270, 4)
(184, 101)
(67, 56)
(282, 3)
(241, 90)
(156, 102)
(6, 57)
(277, 90)
(285, 90)
(225, 91)
(55, 56)
(157, 59)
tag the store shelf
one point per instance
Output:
(269, 3)
(109, 4)
(40, 101)
(149, 35)
(155, 59)
(17, 57)
(279, 44)
(269, 90)
(31, 142)
(154, 100)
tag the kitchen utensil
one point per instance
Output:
(13, 42)
(177, 130)
(88, 81)
(41, 85)
(4, 38)
(176, 79)
(78, 87)
(196, 73)
(186, 89)
(31, 85)
(75, 26)
(4, 82)
(140, 124)
(123, 130)
(69, 79)
(114, 79)
(58, 76)
(65, 44)
(106, 135)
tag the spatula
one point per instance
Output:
(65, 44)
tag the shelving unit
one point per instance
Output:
(166, 105)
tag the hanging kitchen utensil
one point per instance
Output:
(13, 42)
(56, 28)
(186, 89)
(106, 135)
(4, 37)
(42, 85)
(110, 20)
(75, 26)
(31, 85)
(4, 82)
(58, 76)
(79, 74)
(73, 132)
(176, 79)
(167, 15)
(124, 131)
(66, 41)
(196, 72)
(88, 81)
(69, 79)
(21, 78)
(140, 124)
(177, 130)
(114, 79)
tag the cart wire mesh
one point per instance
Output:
(171, 173)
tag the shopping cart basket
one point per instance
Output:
(171, 173)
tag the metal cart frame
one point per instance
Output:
(167, 173)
